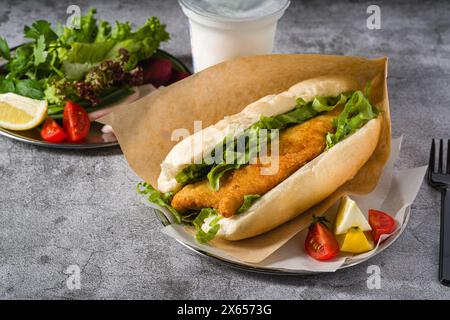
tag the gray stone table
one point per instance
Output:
(79, 207)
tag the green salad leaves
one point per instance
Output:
(213, 216)
(357, 112)
(140, 44)
(193, 173)
(55, 63)
(196, 219)
(248, 201)
(159, 198)
(302, 112)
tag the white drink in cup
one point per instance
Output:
(225, 29)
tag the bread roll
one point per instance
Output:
(308, 186)
(192, 149)
(305, 188)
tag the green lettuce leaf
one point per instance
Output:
(218, 171)
(248, 201)
(357, 112)
(159, 198)
(121, 30)
(194, 218)
(85, 33)
(103, 32)
(298, 115)
(88, 52)
(322, 104)
(140, 44)
(193, 173)
(4, 49)
(207, 213)
(75, 71)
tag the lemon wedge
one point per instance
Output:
(349, 215)
(355, 241)
(21, 113)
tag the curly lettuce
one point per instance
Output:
(357, 112)
(196, 218)
(140, 44)
(193, 173)
(212, 218)
(159, 198)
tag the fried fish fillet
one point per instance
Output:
(297, 146)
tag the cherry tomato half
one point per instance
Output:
(381, 223)
(52, 131)
(75, 122)
(320, 243)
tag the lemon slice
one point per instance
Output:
(349, 215)
(355, 241)
(21, 113)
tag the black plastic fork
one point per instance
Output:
(440, 179)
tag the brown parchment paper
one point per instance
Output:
(144, 127)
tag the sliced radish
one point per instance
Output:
(177, 76)
(157, 71)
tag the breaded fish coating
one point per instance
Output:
(298, 145)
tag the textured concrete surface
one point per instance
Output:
(77, 207)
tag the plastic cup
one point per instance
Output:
(222, 30)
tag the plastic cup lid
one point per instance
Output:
(236, 10)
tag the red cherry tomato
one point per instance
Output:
(157, 71)
(177, 76)
(75, 122)
(52, 131)
(320, 243)
(381, 223)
